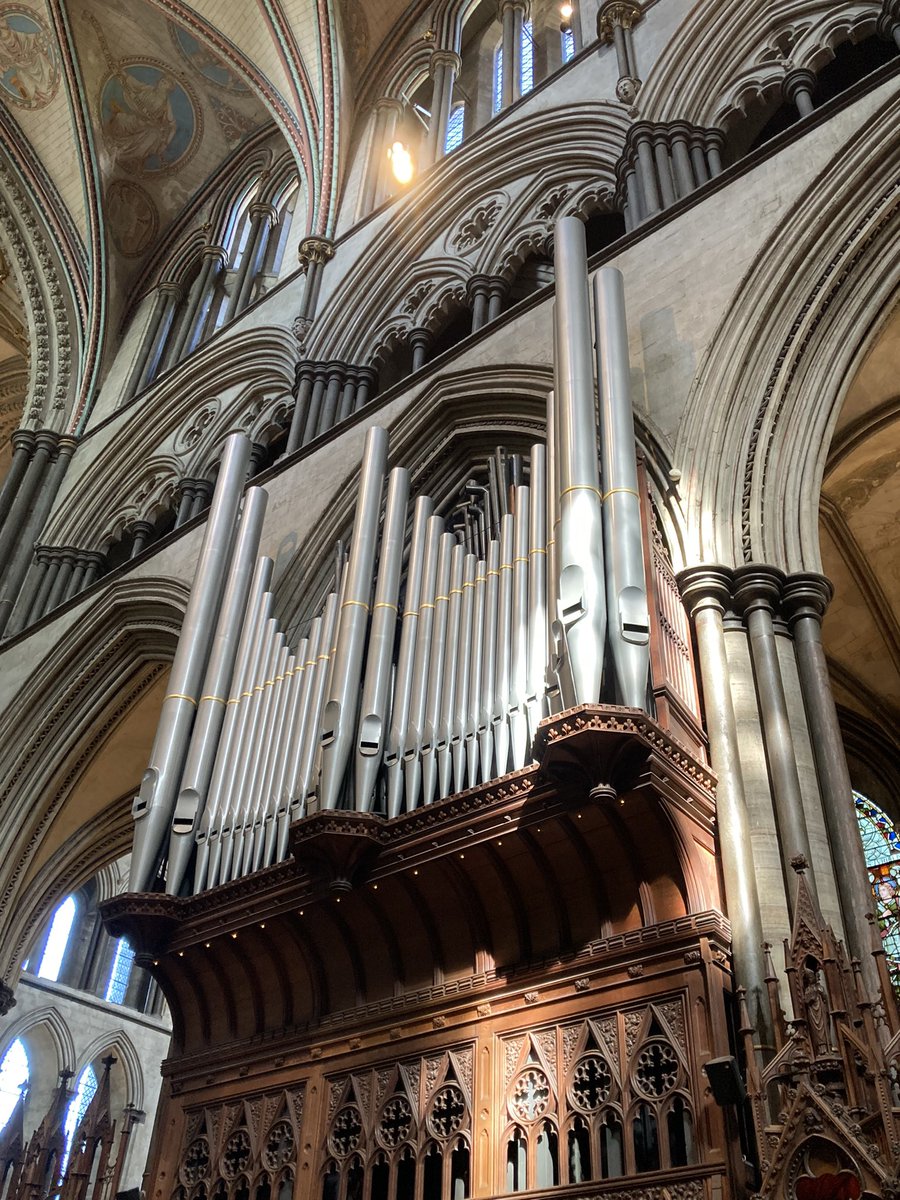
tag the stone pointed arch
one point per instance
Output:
(722, 56)
(776, 370)
(67, 707)
(121, 1045)
(48, 1021)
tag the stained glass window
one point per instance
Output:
(120, 972)
(568, 45)
(498, 78)
(84, 1094)
(57, 940)
(455, 127)
(14, 1073)
(881, 843)
(527, 78)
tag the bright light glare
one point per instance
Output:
(565, 11)
(13, 1074)
(401, 162)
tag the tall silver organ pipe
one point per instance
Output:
(629, 621)
(403, 691)
(154, 805)
(581, 604)
(370, 743)
(211, 710)
(340, 710)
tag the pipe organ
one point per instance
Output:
(526, 597)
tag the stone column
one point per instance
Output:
(314, 253)
(715, 144)
(663, 166)
(142, 531)
(497, 289)
(63, 575)
(95, 564)
(420, 340)
(76, 583)
(512, 19)
(757, 595)
(448, 64)
(44, 445)
(888, 26)
(23, 443)
(263, 218)
(37, 589)
(699, 160)
(707, 593)
(203, 490)
(646, 169)
(185, 502)
(477, 291)
(805, 599)
(680, 139)
(377, 151)
(258, 455)
(391, 111)
(348, 395)
(301, 405)
(168, 296)
(333, 390)
(430, 153)
(315, 403)
(213, 258)
(615, 21)
(366, 378)
(797, 87)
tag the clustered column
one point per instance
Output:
(263, 219)
(888, 25)
(512, 14)
(444, 67)
(314, 253)
(766, 598)
(378, 181)
(214, 259)
(662, 164)
(615, 21)
(485, 294)
(28, 508)
(797, 88)
(327, 393)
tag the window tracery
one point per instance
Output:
(400, 1128)
(881, 846)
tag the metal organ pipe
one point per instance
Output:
(340, 710)
(211, 710)
(629, 621)
(154, 806)
(500, 708)
(581, 606)
(461, 708)
(370, 742)
(441, 734)
(537, 592)
(412, 741)
(518, 678)
(428, 745)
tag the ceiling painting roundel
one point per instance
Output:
(202, 59)
(132, 216)
(149, 119)
(29, 64)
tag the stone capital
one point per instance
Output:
(66, 446)
(797, 80)
(706, 587)
(515, 5)
(497, 285)
(315, 250)
(7, 999)
(806, 595)
(215, 254)
(477, 285)
(420, 336)
(170, 289)
(389, 104)
(145, 527)
(888, 19)
(616, 14)
(445, 58)
(46, 440)
(757, 586)
(264, 212)
(23, 439)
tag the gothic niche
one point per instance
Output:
(401, 1131)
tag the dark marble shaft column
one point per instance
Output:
(23, 443)
(757, 595)
(707, 593)
(806, 597)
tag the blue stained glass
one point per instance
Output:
(120, 972)
(455, 128)
(78, 1105)
(568, 45)
(498, 78)
(527, 78)
(881, 845)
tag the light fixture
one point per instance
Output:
(566, 11)
(401, 162)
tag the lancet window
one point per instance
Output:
(401, 1131)
(57, 940)
(881, 845)
(15, 1071)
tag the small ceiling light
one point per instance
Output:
(566, 11)
(401, 162)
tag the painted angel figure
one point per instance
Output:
(27, 63)
(143, 125)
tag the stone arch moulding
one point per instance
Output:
(120, 1044)
(717, 57)
(65, 710)
(783, 354)
(446, 199)
(46, 1020)
(267, 354)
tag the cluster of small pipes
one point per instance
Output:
(499, 627)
